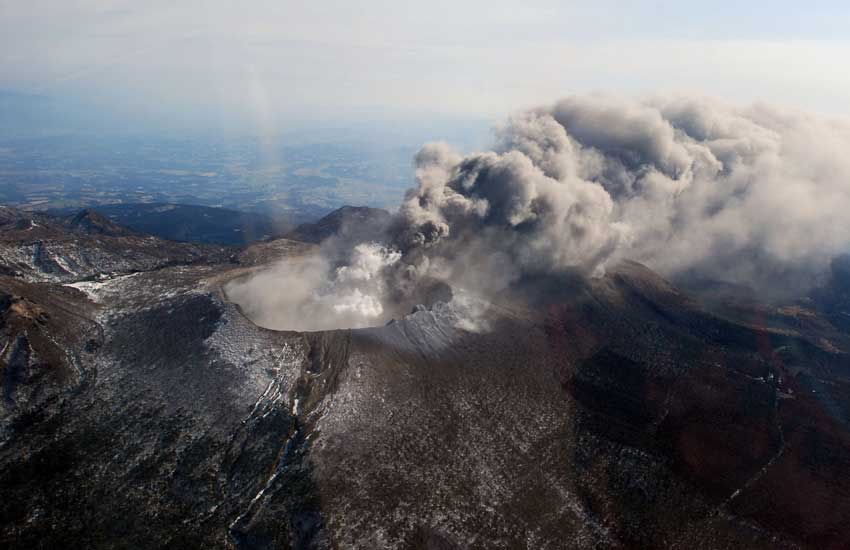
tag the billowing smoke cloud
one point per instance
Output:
(691, 187)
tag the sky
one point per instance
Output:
(268, 64)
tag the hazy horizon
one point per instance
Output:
(279, 67)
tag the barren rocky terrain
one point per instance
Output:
(142, 409)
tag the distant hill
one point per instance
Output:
(41, 248)
(91, 222)
(190, 223)
(351, 223)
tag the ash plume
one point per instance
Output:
(691, 187)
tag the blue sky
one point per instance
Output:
(271, 64)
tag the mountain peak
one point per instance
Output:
(350, 222)
(92, 222)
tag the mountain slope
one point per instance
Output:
(349, 223)
(93, 223)
(621, 416)
(145, 410)
(193, 223)
(44, 248)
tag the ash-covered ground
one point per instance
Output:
(142, 409)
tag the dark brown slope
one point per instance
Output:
(756, 418)
(44, 332)
(616, 414)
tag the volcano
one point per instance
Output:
(142, 408)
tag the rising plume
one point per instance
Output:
(691, 187)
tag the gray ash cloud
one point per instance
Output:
(755, 195)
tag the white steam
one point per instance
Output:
(308, 294)
(691, 187)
